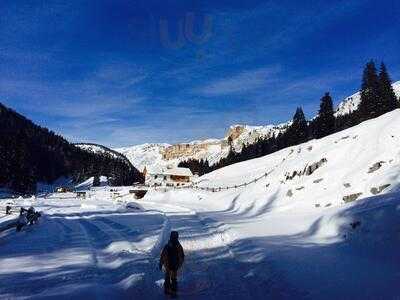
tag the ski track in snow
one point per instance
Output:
(211, 269)
(75, 252)
(99, 274)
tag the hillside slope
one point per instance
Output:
(144, 155)
(103, 150)
(322, 224)
(355, 163)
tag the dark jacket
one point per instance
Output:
(172, 256)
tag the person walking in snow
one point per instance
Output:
(172, 258)
(30, 215)
(22, 221)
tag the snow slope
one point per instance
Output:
(308, 243)
(149, 155)
(95, 148)
(87, 184)
(100, 149)
(351, 157)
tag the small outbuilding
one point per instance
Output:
(81, 195)
(63, 189)
(138, 193)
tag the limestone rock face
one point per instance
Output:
(235, 134)
(235, 131)
(183, 150)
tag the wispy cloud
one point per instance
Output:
(318, 82)
(70, 99)
(108, 90)
(121, 75)
(245, 81)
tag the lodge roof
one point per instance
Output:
(176, 171)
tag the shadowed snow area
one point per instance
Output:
(335, 235)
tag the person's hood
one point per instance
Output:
(174, 241)
(174, 237)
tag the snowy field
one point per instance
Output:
(323, 224)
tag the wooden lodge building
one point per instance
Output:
(169, 176)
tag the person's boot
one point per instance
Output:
(167, 285)
(174, 286)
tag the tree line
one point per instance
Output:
(377, 98)
(30, 154)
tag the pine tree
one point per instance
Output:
(325, 122)
(96, 180)
(387, 94)
(370, 105)
(298, 132)
(230, 143)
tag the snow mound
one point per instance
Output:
(87, 184)
(134, 206)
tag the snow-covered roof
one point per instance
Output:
(155, 170)
(176, 171)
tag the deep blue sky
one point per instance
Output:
(106, 71)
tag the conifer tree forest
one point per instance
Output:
(30, 154)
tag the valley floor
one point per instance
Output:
(98, 249)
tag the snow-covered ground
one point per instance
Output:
(83, 249)
(285, 236)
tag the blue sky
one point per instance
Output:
(129, 72)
